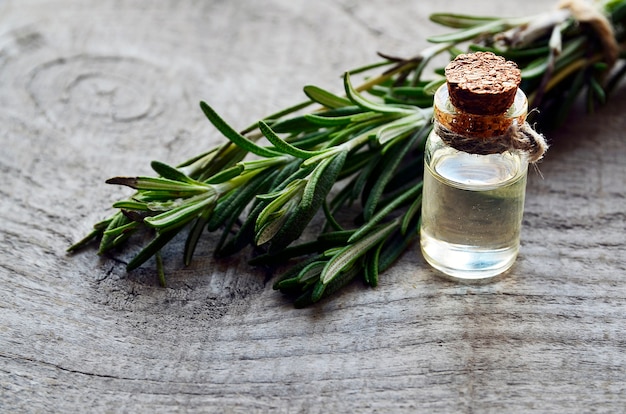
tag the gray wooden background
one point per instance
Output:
(92, 89)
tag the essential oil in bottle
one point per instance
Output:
(474, 178)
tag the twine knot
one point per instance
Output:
(517, 138)
(585, 12)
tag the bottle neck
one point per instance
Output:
(477, 126)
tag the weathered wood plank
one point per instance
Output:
(92, 90)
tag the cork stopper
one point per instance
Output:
(482, 83)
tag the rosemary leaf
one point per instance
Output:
(151, 249)
(233, 135)
(460, 21)
(170, 173)
(350, 253)
(325, 98)
(283, 146)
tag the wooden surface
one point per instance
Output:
(93, 89)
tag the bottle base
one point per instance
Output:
(469, 264)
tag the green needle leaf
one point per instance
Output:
(319, 183)
(313, 270)
(387, 168)
(329, 288)
(294, 271)
(160, 269)
(233, 135)
(352, 252)
(513, 54)
(131, 205)
(181, 215)
(394, 247)
(159, 184)
(194, 236)
(284, 146)
(107, 242)
(431, 87)
(128, 227)
(459, 21)
(471, 32)
(332, 121)
(234, 205)
(359, 100)
(371, 265)
(400, 127)
(273, 222)
(151, 249)
(414, 210)
(97, 231)
(325, 98)
(280, 114)
(597, 90)
(227, 174)
(170, 173)
(394, 204)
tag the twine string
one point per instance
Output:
(517, 138)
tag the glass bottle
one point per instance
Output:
(472, 202)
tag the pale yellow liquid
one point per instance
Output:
(472, 212)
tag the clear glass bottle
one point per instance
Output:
(472, 204)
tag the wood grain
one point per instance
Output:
(91, 89)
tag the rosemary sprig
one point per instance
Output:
(359, 153)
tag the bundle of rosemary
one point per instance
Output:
(358, 154)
